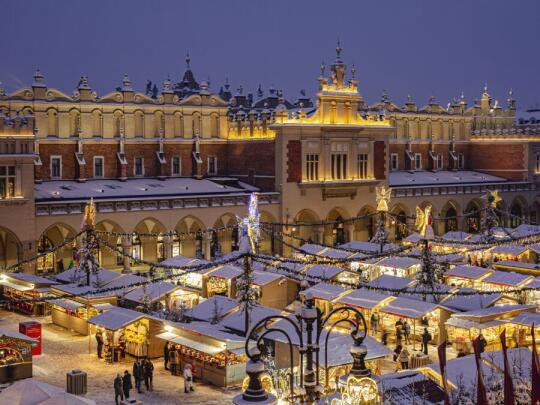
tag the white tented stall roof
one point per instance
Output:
(205, 311)
(261, 278)
(324, 291)
(393, 282)
(397, 262)
(526, 319)
(311, 248)
(507, 278)
(363, 298)
(408, 308)
(153, 292)
(70, 305)
(117, 318)
(468, 272)
(227, 272)
(323, 271)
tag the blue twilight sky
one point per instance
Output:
(417, 47)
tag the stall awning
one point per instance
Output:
(103, 307)
(15, 286)
(67, 304)
(192, 344)
(408, 308)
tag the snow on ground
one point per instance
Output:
(65, 351)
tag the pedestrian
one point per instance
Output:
(118, 388)
(399, 323)
(426, 338)
(461, 353)
(399, 336)
(122, 345)
(407, 331)
(138, 375)
(173, 357)
(166, 350)
(384, 337)
(403, 358)
(149, 375)
(99, 340)
(188, 378)
(374, 323)
(126, 384)
(482, 343)
(397, 351)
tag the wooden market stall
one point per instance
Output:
(467, 299)
(324, 295)
(367, 301)
(161, 295)
(466, 276)
(134, 330)
(271, 289)
(221, 281)
(398, 266)
(465, 326)
(391, 282)
(213, 309)
(216, 356)
(15, 356)
(508, 252)
(521, 325)
(323, 272)
(25, 286)
(532, 269)
(503, 281)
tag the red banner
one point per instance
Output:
(481, 396)
(509, 398)
(441, 350)
(535, 372)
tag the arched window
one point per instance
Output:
(196, 125)
(118, 123)
(74, 122)
(159, 123)
(516, 214)
(97, 128)
(450, 221)
(472, 215)
(214, 125)
(178, 125)
(338, 232)
(52, 122)
(401, 225)
(139, 124)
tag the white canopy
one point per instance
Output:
(33, 392)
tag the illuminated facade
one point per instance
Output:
(185, 158)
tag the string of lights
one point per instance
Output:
(170, 234)
(321, 223)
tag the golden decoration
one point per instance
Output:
(89, 219)
(423, 222)
(493, 198)
(383, 194)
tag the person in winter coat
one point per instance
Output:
(148, 375)
(384, 337)
(118, 391)
(426, 338)
(403, 358)
(99, 341)
(407, 331)
(374, 323)
(138, 375)
(397, 351)
(188, 378)
(166, 350)
(126, 384)
(173, 361)
(482, 343)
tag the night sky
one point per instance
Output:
(421, 48)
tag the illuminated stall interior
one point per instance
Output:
(367, 301)
(532, 269)
(161, 295)
(467, 276)
(25, 286)
(221, 281)
(398, 266)
(15, 356)
(324, 294)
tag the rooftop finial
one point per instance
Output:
(38, 78)
(485, 88)
(409, 98)
(338, 49)
(126, 83)
(353, 71)
(322, 68)
(188, 60)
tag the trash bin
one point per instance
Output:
(76, 382)
(131, 401)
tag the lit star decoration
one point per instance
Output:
(383, 194)
(493, 198)
(424, 221)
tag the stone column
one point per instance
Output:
(320, 234)
(349, 230)
(126, 248)
(167, 244)
(207, 245)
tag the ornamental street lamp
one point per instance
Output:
(307, 329)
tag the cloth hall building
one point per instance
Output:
(186, 159)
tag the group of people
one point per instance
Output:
(143, 370)
(171, 359)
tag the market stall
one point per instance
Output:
(271, 289)
(128, 331)
(324, 295)
(221, 281)
(522, 324)
(15, 356)
(367, 301)
(25, 286)
(502, 281)
(216, 356)
(398, 266)
(161, 295)
(235, 321)
(466, 299)
(466, 276)
(391, 282)
(516, 253)
(213, 309)
(331, 273)
(532, 269)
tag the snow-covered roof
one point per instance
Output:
(192, 343)
(397, 262)
(423, 292)
(507, 278)
(519, 265)
(30, 278)
(198, 328)
(408, 308)
(456, 236)
(406, 386)
(363, 298)
(368, 246)
(227, 272)
(519, 359)
(236, 320)
(534, 283)
(153, 292)
(468, 324)
(311, 248)
(205, 310)
(16, 335)
(525, 230)
(439, 178)
(392, 282)
(66, 304)
(62, 190)
(83, 291)
(117, 318)
(412, 238)
(73, 275)
(470, 302)
(461, 371)
(324, 291)
(527, 319)
(495, 311)
(339, 349)
(323, 271)
(261, 278)
(468, 272)
(182, 261)
(508, 249)
(332, 253)
(127, 281)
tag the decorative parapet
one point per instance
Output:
(444, 190)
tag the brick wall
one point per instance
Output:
(503, 160)
(69, 163)
(294, 161)
(379, 167)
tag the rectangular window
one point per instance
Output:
(363, 166)
(439, 163)
(99, 162)
(176, 166)
(394, 162)
(339, 166)
(138, 168)
(212, 165)
(417, 161)
(7, 181)
(56, 167)
(537, 163)
(312, 167)
(461, 161)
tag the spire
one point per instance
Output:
(83, 83)
(188, 61)
(486, 89)
(126, 83)
(38, 79)
(322, 68)
(384, 97)
(167, 86)
(353, 71)
(2, 90)
(339, 49)
(260, 92)
(511, 101)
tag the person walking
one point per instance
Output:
(138, 375)
(148, 374)
(126, 384)
(99, 340)
(482, 343)
(173, 357)
(407, 332)
(384, 336)
(188, 378)
(426, 338)
(403, 358)
(166, 350)
(118, 388)
(399, 336)
(374, 323)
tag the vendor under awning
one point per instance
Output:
(221, 281)
(24, 286)
(324, 295)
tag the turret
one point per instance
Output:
(39, 87)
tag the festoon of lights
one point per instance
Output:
(85, 254)
(490, 219)
(383, 195)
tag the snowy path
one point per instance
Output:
(65, 351)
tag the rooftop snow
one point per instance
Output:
(116, 318)
(408, 308)
(153, 292)
(205, 311)
(507, 278)
(397, 262)
(363, 298)
(527, 319)
(467, 271)
(368, 246)
(425, 178)
(261, 278)
(508, 249)
(236, 320)
(456, 236)
(324, 291)
(521, 265)
(471, 302)
(323, 271)
(392, 282)
(519, 359)
(462, 371)
(498, 310)
(31, 278)
(73, 275)
(61, 190)
(182, 261)
(227, 272)
(210, 330)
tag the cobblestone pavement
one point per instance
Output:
(64, 351)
